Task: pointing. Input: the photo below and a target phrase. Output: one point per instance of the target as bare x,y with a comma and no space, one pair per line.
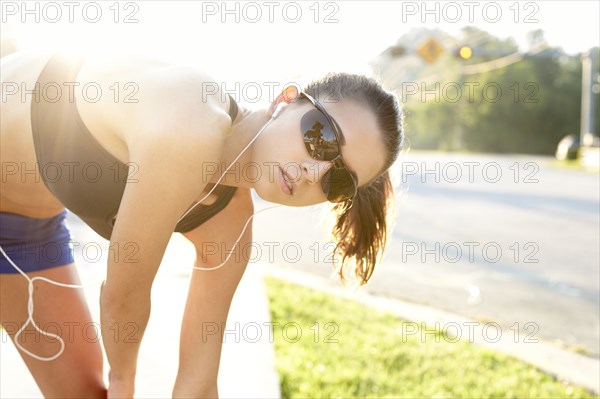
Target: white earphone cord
31,280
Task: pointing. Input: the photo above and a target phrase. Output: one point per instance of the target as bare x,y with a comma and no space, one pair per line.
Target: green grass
368,355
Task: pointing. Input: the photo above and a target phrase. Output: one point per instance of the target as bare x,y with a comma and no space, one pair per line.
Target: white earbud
279,108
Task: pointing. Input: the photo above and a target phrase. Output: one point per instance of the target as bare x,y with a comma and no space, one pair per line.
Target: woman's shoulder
154,77
23,67
150,95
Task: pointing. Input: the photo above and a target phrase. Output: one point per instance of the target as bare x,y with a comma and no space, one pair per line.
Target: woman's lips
283,183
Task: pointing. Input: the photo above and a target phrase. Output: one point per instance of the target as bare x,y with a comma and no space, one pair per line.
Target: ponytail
361,228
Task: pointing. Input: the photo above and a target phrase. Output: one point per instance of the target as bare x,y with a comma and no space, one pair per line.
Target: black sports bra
75,167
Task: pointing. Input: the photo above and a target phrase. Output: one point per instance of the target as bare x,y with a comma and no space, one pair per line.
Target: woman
150,159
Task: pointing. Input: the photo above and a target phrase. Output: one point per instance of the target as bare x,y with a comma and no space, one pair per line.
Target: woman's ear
289,95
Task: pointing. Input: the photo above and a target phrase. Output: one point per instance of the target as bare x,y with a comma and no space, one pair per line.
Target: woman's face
281,148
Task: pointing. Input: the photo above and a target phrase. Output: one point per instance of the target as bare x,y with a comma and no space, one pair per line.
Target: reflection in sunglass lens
319,138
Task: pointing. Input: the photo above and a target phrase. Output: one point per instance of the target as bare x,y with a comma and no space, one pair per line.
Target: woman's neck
246,127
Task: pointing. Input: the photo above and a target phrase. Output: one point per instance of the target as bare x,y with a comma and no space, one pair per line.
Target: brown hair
360,229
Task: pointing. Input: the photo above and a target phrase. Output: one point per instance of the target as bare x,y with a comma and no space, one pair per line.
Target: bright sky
327,35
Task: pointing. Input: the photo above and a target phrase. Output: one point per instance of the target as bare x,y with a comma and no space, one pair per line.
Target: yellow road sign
430,50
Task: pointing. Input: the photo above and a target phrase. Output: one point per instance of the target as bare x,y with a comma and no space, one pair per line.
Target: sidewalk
247,368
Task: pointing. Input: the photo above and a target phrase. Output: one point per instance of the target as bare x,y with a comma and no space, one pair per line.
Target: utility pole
589,64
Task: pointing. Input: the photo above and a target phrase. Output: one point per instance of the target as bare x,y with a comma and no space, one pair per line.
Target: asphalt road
505,239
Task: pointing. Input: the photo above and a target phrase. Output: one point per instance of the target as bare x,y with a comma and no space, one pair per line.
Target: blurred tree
526,107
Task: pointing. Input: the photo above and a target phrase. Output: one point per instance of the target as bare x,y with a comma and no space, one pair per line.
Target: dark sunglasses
323,142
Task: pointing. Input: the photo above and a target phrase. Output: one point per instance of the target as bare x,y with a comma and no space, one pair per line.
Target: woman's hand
120,388
122,326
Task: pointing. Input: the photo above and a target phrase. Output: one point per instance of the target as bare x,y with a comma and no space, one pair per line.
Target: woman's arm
168,178
210,295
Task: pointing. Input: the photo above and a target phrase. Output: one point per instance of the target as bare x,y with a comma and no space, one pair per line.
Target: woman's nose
313,171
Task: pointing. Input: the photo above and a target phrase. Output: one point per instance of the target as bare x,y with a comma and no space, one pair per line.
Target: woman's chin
276,196
269,195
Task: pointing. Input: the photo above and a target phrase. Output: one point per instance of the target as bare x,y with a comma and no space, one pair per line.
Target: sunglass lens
338,184
319,138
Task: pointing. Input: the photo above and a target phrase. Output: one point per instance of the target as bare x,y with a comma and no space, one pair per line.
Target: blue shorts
34,244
